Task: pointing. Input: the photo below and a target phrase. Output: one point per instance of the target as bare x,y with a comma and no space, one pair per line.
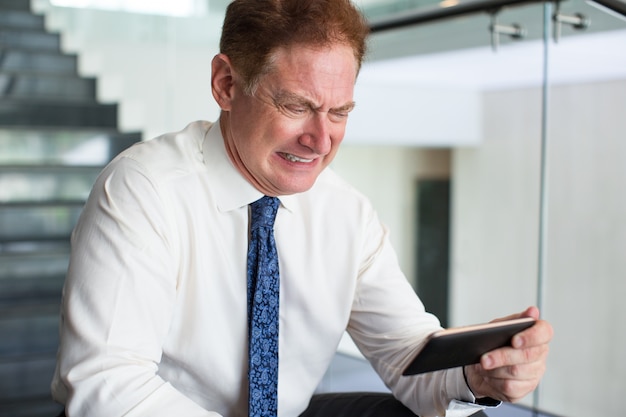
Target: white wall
157,68
388,175
495,211
496,189
392,112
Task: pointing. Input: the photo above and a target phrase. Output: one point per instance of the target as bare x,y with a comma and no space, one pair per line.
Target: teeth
294,158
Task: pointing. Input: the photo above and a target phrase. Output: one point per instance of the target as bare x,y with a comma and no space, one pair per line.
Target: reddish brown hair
254,29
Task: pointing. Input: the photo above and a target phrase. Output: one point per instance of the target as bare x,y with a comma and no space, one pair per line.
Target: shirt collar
232,190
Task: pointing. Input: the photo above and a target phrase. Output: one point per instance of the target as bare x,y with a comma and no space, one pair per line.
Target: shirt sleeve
388,324
118,301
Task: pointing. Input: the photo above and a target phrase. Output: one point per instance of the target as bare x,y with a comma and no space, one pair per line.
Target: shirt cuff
486,401
458,408
456,386
465,403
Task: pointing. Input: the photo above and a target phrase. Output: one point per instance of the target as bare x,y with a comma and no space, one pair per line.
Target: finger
507,356
527,371
539,334
529,312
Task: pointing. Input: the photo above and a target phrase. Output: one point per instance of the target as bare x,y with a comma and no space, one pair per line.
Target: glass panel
443,86
586,233
451,76
496,187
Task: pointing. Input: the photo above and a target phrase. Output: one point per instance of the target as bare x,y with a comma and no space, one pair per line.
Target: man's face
283,136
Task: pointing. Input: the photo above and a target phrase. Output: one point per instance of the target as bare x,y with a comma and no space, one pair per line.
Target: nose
317,133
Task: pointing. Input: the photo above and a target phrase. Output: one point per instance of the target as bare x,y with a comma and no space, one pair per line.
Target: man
156,318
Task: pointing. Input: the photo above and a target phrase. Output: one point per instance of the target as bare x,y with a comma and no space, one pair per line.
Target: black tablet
461,346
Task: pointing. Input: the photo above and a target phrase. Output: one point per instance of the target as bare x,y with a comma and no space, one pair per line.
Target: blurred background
489,134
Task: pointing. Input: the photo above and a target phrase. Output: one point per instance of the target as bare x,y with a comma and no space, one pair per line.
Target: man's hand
510,373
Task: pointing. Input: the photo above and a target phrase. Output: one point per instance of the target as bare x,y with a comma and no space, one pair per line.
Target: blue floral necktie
263,301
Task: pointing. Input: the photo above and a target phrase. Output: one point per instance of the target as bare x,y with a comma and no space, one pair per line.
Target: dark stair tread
23,5
19,289
29,39
10,241
27,61
26,377
30,406
46,87
21,19
71,130
37,261
43,76
37,315
18,112
36,248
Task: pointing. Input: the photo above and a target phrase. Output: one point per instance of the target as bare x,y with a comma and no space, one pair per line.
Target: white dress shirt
154,309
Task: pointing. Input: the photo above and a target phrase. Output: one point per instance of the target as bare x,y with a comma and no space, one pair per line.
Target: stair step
41,183
40,262
31,331
36,406
54,140
37,276
26,377
23,5
46,87
21,19
51,62
62,147
15,113
33,248
23,291
29,39
37,223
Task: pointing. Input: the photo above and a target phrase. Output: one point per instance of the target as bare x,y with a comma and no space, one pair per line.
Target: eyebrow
284,96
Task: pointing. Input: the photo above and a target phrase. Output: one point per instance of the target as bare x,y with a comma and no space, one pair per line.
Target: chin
296,188
294,185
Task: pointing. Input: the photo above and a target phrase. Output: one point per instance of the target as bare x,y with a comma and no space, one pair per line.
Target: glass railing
537,206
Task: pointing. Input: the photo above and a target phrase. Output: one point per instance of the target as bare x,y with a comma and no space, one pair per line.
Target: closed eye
295,110
295,106
341,113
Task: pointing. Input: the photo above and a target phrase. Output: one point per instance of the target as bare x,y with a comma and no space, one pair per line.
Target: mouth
293,158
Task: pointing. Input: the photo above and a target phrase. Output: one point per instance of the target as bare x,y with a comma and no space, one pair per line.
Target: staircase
54,140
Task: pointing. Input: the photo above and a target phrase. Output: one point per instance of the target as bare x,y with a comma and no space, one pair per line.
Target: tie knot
263,212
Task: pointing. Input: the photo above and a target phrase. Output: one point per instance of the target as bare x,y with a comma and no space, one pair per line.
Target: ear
222,81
